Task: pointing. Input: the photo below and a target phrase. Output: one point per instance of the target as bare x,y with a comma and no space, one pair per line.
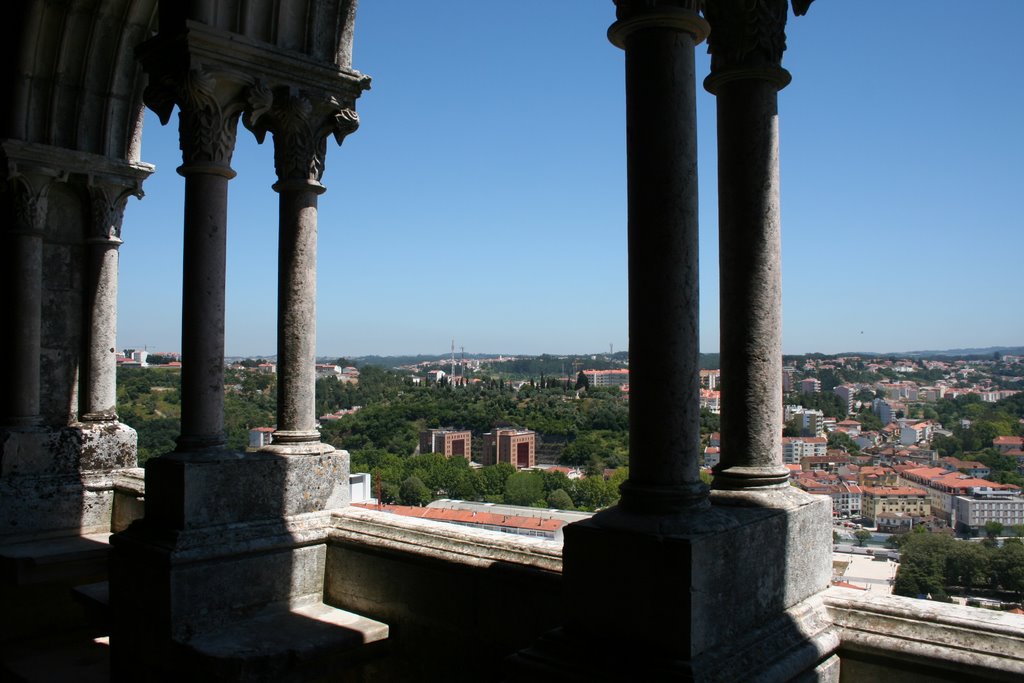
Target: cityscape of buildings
892,478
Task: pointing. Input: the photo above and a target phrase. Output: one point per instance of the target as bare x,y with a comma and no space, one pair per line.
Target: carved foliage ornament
300,126
29,203
108,204
748,33
206,128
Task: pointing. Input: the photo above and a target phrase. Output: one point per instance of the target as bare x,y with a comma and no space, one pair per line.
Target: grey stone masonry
59,438
223,576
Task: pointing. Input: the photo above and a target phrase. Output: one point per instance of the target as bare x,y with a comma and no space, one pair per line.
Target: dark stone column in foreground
664,351
24,283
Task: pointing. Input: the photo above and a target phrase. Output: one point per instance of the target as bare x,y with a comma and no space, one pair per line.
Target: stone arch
77,85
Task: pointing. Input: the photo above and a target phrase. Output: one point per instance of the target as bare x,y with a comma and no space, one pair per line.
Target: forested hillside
590,429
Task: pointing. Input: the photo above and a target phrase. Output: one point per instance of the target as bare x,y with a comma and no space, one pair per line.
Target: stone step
286,646
95,598
54,560
36,580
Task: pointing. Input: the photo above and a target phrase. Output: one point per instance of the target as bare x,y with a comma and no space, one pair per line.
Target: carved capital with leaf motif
300,123
635,15
208,109
748,38
28,193
107,202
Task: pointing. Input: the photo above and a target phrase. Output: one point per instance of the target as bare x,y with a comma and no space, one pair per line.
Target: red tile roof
469,517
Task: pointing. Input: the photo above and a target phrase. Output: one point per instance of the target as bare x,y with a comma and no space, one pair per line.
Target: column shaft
202,307
100,382
26,262
300,122
750,258
296,320
664,351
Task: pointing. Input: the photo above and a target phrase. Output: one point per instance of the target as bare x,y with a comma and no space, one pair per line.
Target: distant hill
396,361
987,351
984,351
707,360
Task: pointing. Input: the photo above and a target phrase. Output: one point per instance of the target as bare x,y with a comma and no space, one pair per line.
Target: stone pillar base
228,538
197,490
726,593
59,481
79,448
169,588
302,447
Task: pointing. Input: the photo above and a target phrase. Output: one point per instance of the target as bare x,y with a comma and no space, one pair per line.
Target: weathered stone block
80,448
736,582
193,490
169,587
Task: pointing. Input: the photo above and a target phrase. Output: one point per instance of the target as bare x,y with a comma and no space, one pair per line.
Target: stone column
209,108
661,147
746,45
25,282
300,126
99,381
726,587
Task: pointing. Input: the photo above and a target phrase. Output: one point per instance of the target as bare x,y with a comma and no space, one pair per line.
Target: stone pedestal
227,538
198,490
56,482
731,592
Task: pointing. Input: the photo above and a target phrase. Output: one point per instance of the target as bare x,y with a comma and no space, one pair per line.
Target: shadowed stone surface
694,598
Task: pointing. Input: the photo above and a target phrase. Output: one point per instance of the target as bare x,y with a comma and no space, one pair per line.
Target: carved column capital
107,203
747,40
209,105
28,194
634,15
300,123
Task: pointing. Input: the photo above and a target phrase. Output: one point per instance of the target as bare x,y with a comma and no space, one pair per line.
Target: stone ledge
54,559
95,600
276,647
130,480
447,542
982,644
798,645
226,541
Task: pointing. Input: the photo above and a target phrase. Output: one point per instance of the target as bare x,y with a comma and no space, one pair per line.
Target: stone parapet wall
458,600
908,640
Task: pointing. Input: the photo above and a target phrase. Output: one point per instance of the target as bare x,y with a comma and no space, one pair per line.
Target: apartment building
607,378
795,448
880,500
514,446
449,442
971,513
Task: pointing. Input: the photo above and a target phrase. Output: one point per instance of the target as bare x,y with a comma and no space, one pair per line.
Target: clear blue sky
483,197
